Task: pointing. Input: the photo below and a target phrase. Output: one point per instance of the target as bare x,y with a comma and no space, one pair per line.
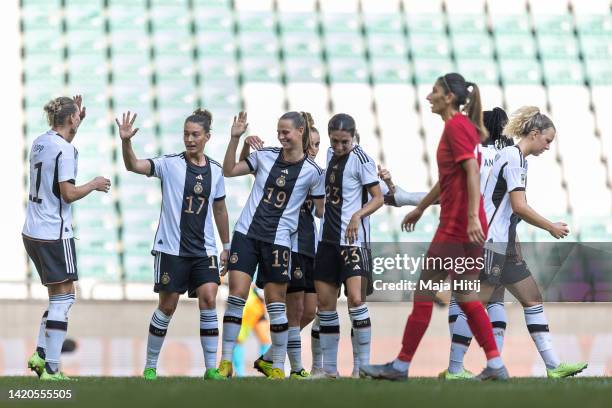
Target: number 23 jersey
52,161
272,210
188,192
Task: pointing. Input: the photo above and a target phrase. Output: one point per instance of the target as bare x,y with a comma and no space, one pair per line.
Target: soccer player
47,232
342,253
506,205
284,177
462,228
185,248
301,295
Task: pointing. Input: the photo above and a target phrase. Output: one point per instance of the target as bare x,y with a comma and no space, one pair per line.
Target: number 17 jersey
52,161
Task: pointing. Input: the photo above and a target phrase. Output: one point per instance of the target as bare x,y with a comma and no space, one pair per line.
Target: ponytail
473,110
524,120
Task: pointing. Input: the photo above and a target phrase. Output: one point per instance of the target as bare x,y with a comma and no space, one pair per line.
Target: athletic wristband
227,246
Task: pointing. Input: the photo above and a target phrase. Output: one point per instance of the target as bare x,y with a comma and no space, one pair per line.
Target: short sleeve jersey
188,193
508,174
272,211
52,161
347,179
459,142
488,154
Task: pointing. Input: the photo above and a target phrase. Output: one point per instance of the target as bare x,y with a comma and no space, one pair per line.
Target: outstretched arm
231,168
132,163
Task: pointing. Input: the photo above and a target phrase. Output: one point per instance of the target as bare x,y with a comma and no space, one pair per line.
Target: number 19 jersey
52,161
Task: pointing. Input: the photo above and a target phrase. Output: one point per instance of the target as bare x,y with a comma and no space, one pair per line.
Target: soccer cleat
383,372
322,375
355,373
263,366
566,370
493,374
462,375
276,374
36,364
59,376
300,375
226,369
150,374
213,374
316,371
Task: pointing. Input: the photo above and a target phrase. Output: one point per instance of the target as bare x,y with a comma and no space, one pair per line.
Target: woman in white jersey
185,247
342,254
284,178
506,205
47,232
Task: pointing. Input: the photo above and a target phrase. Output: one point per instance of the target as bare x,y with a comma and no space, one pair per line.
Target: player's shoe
566,370
316,371
263,366
276,374
213,374
226,369
383,372
59,376
462,375
149,374
320,374
355,373
493,374
37,364
300,375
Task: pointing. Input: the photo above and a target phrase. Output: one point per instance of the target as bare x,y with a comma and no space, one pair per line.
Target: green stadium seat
342,45
472,46
43,42
217,69
563,71
558,46
138,267
179,67
301,44
484,72
305,70
38,92
596,46
88,68
520,71
170,17
391,70
215,44
215,20
130,15
172,42
82,16
515,46
383,23
212,4
427,71
221,95
467,23
261,69
599,71
348,70
298,23
425,46
425,24
594,24
252,22
554,24
387,46
41,15
511,24
262,43
347,23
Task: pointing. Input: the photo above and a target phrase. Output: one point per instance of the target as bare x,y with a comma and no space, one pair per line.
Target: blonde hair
524,120
59,109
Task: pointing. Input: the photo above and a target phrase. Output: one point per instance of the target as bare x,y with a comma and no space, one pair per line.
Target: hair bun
203,112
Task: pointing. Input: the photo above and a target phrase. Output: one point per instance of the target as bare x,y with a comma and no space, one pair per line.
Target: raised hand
254,142
384,174
240,125
125,127
78,99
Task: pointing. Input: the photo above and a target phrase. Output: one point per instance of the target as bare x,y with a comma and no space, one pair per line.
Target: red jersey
460,141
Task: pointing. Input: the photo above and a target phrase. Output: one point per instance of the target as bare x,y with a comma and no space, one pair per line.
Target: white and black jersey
488,154
304,241
188,192
271,213
52,161
508,174
346,181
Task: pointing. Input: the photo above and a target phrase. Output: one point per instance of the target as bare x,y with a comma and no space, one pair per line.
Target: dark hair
202,118
301,119
470,100
342,121
59,109
495,120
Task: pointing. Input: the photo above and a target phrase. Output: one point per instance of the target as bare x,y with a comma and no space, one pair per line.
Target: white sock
315,345
294,348
401,365
232,321
279,332
209,336
497,315
460,342
538,329
355,345
41,342
495,362
55,329
157,333
453,312
330,336
360,317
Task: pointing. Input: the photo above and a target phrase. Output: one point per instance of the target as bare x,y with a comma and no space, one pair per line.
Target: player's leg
527,292
61,299
158,327
274,294
309,315
329,329
295,308
209,326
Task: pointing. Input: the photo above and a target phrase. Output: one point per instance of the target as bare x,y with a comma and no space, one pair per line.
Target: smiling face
194,137
540,141
341,142
289,136
315,141
439,101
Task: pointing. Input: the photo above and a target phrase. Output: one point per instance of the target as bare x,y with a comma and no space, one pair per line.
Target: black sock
41,352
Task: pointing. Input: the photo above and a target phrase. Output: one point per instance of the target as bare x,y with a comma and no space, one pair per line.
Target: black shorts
335,263
501,269
302,270
55,260
180,274
271,261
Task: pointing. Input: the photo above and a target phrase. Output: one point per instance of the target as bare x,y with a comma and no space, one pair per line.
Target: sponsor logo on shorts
165,279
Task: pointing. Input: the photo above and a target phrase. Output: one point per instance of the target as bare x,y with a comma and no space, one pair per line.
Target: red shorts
455,255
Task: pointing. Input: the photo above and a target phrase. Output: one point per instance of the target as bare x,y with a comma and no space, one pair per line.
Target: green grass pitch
176,392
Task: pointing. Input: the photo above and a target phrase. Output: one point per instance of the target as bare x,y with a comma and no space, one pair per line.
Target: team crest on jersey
165,279
234,258
297,274
198,188
281,181
495,271
332,177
